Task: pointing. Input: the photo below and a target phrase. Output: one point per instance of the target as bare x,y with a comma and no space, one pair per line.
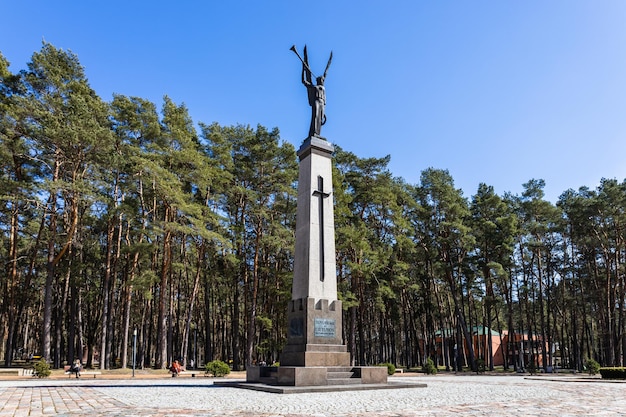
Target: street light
134,349
195,345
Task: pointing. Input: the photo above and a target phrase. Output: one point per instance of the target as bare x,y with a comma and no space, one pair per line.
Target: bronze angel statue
316,93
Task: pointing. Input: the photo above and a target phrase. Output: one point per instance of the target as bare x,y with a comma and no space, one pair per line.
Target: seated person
175,369
76,367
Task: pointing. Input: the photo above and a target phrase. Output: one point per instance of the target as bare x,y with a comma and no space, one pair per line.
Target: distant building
518,351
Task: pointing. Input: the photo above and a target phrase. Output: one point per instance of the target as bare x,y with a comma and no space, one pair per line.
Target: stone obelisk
314,317
315,353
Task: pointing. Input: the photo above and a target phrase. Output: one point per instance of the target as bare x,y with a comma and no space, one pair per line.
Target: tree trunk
104,355
128,305
192,302
161,348
46,335
10,300
253,301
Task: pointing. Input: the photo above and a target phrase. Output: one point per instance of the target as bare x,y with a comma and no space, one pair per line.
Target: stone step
269,380
344,381
340,369
339,375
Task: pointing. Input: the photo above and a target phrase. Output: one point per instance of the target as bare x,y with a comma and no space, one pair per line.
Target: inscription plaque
296,327
324,327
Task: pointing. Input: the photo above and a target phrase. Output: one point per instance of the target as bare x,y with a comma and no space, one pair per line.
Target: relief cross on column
322,195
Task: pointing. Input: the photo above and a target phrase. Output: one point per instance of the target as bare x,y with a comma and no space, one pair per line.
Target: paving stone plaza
445,395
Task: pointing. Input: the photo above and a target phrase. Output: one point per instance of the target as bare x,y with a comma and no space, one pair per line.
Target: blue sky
494,91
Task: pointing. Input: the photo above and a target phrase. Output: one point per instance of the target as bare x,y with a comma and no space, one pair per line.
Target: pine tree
493,227
446,229
70,128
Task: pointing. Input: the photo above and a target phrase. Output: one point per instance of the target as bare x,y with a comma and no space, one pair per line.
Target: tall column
314,261
315,316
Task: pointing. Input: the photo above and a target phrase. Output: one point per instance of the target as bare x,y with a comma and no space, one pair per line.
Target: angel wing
330,59
306,66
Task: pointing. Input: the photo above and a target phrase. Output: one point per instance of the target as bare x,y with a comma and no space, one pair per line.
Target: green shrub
613,373
217,368
480,366
592,366
429,367
42,368
391,368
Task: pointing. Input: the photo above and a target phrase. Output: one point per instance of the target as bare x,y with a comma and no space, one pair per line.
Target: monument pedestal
314,334
311,376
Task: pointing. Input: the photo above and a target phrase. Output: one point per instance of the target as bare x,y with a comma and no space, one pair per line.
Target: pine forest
128,220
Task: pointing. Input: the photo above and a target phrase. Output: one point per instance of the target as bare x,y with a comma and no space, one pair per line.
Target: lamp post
195,344
134,349
456,358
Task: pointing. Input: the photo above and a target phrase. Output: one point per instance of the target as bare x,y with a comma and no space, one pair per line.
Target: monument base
314,336
297,376
315,355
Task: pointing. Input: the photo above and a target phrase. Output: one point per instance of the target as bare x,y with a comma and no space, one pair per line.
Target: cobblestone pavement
445,395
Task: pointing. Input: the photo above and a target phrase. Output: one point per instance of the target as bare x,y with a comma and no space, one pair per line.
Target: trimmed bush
391,368
429,367
613,373
42,368
217,368
592,366
480,366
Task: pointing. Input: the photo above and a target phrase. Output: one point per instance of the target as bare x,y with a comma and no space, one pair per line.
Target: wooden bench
193,372
94,373
11,371
399,371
